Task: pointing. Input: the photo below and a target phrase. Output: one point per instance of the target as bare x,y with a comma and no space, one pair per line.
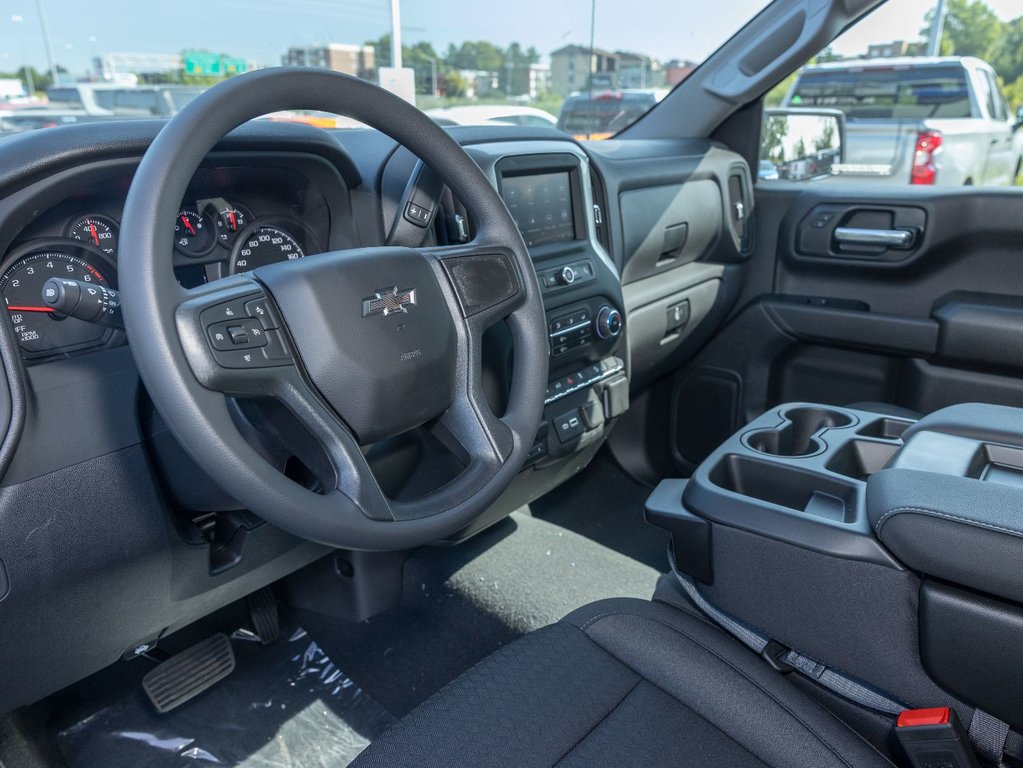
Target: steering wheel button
237,335
240,358
230,310
258,309
276,350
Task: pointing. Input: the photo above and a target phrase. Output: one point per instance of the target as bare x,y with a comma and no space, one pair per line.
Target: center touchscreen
541,205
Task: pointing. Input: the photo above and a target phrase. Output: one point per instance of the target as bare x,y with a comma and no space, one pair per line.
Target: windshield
897,92
587,67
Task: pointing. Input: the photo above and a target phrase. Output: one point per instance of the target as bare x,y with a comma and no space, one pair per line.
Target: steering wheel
359,345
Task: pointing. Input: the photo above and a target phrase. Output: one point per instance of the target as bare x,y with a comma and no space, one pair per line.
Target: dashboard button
569,426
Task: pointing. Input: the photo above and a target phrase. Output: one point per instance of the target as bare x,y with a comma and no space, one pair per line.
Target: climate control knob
608,322
566,276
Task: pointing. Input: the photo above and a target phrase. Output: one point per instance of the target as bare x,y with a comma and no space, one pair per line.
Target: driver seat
622,682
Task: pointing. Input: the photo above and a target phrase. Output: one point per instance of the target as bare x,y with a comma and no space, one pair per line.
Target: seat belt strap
989,735
837,682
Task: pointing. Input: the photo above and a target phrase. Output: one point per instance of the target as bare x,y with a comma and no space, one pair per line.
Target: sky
263,30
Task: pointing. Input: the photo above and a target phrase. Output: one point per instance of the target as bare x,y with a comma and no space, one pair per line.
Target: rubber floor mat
286,705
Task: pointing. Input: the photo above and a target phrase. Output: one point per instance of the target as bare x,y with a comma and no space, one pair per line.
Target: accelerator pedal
264,616
189,673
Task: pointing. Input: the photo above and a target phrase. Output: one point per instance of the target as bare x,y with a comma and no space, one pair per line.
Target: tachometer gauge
98,231
193,233
39,330
230,221
264,245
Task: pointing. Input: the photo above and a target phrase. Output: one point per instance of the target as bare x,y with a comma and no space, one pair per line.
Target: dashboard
631,246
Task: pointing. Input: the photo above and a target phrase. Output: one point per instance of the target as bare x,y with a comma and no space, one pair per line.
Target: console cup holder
797,436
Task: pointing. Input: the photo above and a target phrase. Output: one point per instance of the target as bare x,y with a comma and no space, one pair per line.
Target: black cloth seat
622,682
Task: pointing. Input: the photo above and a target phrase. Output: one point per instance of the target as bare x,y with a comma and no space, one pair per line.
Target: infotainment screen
541,205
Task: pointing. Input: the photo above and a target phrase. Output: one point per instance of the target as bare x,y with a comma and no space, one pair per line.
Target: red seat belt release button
935,738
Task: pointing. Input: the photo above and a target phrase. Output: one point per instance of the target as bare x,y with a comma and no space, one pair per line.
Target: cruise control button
244,334
237,335
260,310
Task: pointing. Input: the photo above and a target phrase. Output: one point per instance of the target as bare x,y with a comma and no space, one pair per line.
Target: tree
971,28
1006,54
476,55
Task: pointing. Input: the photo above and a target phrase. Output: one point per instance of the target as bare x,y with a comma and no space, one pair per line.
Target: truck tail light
924,170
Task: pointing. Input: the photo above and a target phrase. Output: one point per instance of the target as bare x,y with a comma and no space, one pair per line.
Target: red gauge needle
29,309
188,225
234,221
95,236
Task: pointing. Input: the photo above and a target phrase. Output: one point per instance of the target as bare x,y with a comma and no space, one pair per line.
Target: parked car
506,114
111,99
922,120
604,113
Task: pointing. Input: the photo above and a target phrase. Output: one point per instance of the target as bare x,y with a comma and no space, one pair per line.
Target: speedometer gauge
264,245
39,330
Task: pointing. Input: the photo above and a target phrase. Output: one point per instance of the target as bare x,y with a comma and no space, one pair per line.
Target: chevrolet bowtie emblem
389,301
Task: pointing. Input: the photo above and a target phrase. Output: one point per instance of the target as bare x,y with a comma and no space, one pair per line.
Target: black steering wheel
359,345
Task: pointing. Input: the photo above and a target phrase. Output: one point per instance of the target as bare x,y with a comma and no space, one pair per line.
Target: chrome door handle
885,238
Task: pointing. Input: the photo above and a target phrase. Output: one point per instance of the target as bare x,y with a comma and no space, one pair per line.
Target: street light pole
937,29
396,34
46,41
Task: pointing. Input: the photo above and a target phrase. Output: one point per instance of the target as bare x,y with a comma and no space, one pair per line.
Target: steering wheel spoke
487,285
237,345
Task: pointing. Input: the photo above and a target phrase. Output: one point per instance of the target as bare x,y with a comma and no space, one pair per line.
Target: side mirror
801,144
1019,118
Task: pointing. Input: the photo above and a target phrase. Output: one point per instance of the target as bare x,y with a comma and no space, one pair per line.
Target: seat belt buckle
935,738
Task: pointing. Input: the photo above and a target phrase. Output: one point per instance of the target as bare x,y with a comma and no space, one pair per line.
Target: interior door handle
885,238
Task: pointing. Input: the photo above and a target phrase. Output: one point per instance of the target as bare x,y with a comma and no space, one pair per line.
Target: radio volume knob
566,276
608,322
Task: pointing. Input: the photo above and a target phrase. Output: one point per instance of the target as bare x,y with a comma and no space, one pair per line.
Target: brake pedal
189,673
264,616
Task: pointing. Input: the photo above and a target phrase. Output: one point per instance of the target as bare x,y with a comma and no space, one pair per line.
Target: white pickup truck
922,120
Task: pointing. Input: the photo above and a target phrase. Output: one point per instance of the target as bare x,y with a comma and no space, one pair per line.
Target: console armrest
960,529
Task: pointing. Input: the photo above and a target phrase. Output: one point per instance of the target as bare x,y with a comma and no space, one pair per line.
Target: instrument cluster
212,238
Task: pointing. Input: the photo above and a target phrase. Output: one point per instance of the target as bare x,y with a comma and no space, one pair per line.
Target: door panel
922,322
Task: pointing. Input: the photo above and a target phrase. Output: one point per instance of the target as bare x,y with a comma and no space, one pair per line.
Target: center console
548,188
550,197
885,548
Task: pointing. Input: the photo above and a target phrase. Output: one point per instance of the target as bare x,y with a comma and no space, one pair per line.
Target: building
894,49
539,80
677,70
573,65
480,83
636,70
356,60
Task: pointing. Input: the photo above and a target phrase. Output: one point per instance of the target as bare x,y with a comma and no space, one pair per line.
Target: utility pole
46,41
29,82
396,34
937,28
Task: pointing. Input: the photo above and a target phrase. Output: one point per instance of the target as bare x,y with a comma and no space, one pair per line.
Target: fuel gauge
230,221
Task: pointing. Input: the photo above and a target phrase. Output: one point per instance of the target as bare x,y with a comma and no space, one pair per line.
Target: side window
998,110
872,110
